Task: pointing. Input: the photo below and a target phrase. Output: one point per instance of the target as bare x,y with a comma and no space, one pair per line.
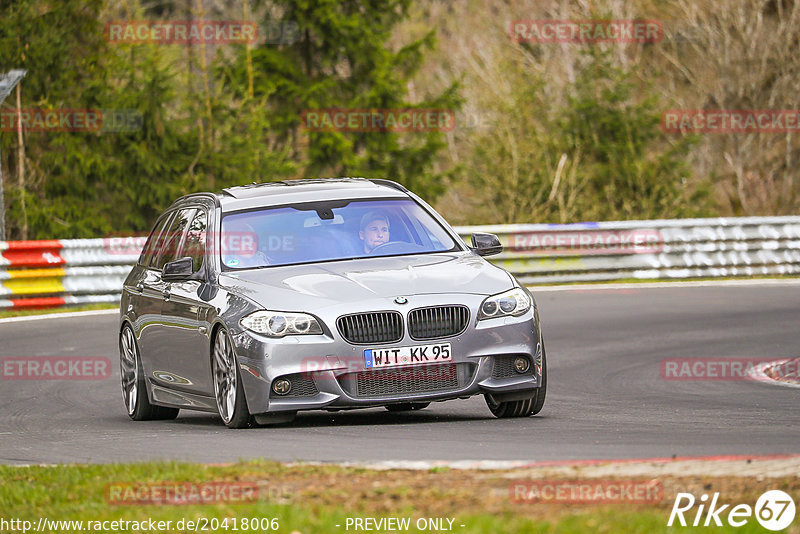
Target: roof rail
206,194
231,191
302,181
389,183
251,185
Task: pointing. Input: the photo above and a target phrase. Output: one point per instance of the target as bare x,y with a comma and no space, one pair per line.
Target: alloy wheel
224,377
129,369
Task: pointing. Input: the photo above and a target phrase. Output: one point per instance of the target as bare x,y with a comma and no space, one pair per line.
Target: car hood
302,286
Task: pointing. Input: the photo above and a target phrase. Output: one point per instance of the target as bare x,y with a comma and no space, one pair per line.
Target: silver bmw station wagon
322,294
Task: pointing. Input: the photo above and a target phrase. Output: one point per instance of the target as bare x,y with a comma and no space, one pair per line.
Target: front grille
373,327
302,386
504,367
408,381
437,321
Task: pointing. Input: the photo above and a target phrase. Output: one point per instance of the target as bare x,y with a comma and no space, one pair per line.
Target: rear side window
194,246
153,244
172,238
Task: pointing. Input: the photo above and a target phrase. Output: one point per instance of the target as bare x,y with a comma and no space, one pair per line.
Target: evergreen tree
85,182
341,59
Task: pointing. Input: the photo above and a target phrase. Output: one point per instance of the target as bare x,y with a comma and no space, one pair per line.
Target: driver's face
374,234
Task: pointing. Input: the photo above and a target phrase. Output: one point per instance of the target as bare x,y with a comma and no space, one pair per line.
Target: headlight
279,324
514,303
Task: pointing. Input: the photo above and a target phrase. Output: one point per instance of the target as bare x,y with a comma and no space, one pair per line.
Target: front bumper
327,372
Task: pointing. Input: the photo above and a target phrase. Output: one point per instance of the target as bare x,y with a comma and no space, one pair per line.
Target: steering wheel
396,247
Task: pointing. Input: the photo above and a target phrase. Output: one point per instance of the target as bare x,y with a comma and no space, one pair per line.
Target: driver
374,230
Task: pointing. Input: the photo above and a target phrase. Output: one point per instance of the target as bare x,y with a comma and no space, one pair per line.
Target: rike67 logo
774,510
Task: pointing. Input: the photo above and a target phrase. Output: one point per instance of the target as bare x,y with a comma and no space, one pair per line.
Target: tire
134,387
228,388
541,393
407,406
524,407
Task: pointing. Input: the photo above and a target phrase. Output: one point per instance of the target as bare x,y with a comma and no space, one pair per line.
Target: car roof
302,190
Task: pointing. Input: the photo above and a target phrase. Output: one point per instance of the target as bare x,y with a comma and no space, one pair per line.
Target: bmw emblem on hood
400,300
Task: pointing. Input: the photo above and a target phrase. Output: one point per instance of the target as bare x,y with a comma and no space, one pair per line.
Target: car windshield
326,231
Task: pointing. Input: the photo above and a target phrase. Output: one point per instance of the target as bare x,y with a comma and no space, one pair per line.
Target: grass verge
310,499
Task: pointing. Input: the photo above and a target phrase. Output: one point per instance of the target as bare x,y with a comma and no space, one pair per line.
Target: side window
153,244
172,238
195,244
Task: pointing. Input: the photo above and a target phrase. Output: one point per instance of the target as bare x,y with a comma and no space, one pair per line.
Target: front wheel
523,407
134,389
228,388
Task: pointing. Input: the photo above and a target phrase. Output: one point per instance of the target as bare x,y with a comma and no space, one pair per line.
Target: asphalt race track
606,398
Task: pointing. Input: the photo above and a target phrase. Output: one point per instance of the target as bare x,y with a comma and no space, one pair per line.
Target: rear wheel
134,389
523,407
407,406
228,388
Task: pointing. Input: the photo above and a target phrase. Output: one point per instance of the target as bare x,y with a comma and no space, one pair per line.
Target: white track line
659,285
67,315
777,465
720,465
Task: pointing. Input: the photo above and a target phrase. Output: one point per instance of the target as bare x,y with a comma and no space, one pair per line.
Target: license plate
418,355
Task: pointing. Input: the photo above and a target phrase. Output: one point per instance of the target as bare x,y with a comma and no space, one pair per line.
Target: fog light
522,365
281,386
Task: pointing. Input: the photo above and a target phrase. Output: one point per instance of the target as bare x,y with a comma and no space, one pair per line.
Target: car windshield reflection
329,231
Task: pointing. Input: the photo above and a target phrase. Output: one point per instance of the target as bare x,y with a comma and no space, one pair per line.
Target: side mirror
177,270
486,244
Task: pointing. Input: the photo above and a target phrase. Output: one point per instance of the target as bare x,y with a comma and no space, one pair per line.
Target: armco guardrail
53,273
671,249
65,272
